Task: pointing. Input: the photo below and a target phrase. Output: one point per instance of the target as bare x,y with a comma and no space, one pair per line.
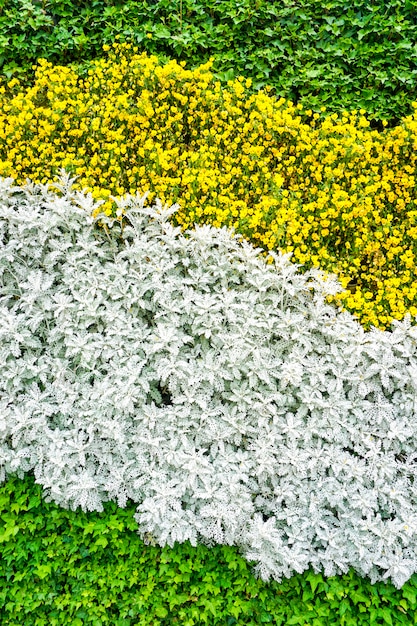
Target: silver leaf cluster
218,392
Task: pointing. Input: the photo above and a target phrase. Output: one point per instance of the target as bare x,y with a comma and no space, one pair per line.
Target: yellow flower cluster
332,190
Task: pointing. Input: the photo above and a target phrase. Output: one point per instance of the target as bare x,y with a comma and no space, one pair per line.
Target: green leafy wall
60,568
335,53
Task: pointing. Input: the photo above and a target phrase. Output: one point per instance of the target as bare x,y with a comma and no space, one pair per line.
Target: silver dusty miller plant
218,392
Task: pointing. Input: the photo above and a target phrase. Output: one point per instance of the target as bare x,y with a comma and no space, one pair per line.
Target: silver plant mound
218,392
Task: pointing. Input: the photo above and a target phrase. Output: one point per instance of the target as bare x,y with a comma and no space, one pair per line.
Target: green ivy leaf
101,541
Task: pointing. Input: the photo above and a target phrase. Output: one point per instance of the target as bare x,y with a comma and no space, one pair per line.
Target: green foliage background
60,567
334,53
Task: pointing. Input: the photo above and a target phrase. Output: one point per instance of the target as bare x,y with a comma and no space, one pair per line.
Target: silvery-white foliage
218,392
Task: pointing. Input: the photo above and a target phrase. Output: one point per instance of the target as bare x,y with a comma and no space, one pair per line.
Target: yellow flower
335,192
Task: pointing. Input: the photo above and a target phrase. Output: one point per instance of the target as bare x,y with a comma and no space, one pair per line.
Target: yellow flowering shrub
332,190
